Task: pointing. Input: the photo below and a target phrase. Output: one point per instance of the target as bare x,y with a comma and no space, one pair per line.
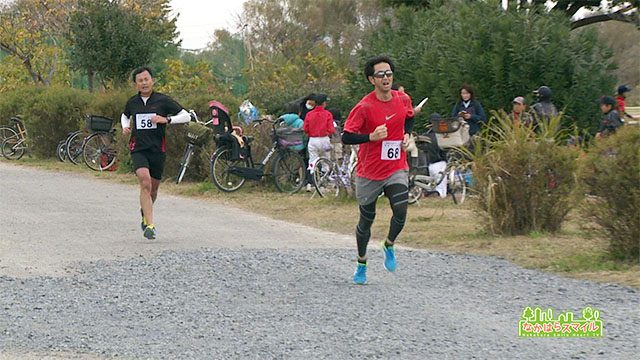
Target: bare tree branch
619,15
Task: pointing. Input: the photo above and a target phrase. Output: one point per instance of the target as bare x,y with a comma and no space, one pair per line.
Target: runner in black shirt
145,117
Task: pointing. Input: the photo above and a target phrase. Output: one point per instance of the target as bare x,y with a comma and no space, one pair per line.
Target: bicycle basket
287,136
451,132
198,134
99,123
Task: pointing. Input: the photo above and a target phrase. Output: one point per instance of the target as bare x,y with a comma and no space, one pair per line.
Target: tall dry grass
525,176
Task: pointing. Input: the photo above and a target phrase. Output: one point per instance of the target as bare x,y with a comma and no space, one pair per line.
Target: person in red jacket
621,101
318,125
379,123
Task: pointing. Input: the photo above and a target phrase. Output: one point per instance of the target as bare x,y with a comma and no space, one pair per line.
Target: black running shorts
154,161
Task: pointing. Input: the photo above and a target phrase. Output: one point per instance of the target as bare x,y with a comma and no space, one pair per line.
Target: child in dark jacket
611,121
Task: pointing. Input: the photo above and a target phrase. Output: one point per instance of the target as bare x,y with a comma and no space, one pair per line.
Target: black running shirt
146,135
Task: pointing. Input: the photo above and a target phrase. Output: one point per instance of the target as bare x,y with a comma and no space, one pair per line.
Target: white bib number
390,150
143,122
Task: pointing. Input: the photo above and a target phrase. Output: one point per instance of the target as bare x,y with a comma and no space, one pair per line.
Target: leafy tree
295,47
227,57
292,27
110,39
31,31
503,54
296,77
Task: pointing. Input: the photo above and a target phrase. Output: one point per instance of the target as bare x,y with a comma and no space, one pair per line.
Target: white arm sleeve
180,118
124,121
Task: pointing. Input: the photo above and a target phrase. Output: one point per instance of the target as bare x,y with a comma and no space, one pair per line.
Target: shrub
16,102
524,178
49,113
609,175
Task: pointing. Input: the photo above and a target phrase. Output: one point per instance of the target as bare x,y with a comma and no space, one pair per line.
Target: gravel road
78,281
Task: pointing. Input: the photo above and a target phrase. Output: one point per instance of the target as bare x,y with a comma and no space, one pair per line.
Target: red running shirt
377,160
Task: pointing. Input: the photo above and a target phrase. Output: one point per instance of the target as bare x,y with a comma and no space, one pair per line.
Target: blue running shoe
389,256
360,276
150,232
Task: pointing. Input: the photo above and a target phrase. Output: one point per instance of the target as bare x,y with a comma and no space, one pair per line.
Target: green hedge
49,113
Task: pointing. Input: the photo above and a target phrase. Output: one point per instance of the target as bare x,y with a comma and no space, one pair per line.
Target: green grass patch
588,262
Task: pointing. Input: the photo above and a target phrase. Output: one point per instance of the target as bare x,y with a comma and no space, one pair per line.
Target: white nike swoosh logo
387,118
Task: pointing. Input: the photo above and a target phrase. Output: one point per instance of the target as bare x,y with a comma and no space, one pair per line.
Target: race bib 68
390,150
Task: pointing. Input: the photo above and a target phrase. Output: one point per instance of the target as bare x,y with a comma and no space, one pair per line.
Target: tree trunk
90,75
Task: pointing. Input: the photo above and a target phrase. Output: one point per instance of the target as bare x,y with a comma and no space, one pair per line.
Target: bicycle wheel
13,148
221,161
324,178
415,192
457,185
61,151
74,147
288,172
98,151
7,132
186,157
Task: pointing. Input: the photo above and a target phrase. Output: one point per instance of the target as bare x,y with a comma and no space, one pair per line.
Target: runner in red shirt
378,124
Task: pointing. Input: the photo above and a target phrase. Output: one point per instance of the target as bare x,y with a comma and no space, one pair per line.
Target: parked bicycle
232,164
99,148
7,131
421,181
198,135
15,142
74,147
62,151
333,178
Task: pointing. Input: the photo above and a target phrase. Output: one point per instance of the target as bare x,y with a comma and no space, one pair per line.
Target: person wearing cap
543,110
621,100
318,125
611,120
519,114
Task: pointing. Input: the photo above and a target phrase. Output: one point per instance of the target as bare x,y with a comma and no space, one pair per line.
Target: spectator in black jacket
470,109
543,110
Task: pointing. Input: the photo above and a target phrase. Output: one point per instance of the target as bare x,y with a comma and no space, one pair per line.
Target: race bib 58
143,122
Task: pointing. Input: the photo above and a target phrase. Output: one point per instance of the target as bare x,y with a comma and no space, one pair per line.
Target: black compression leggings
398,195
